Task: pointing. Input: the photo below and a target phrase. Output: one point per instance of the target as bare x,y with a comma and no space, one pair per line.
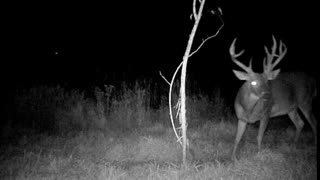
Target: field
64,134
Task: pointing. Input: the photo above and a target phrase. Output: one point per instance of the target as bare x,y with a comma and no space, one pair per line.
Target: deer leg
262,128
241,128
295,118
307,112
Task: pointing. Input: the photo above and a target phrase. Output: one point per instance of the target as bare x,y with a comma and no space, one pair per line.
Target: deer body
270,94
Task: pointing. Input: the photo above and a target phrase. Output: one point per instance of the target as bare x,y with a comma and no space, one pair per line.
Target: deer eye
254,83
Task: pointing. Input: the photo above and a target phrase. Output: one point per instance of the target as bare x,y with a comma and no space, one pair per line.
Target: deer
271,93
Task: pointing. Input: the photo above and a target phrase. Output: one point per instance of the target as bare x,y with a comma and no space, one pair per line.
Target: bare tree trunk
183,119
181,104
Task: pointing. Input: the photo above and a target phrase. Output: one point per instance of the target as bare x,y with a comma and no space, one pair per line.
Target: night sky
82,43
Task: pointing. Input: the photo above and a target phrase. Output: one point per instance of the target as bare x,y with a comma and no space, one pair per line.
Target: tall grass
130,105
121,132
37,107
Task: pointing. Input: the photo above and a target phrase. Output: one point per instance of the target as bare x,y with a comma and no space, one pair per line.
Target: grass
118,134
152,153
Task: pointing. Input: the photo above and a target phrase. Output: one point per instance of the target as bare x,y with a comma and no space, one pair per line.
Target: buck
271,93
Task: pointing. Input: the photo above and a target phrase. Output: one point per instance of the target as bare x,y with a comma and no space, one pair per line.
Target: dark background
86,43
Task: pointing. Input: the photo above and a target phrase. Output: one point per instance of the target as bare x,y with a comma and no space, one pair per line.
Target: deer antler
268,65
234,56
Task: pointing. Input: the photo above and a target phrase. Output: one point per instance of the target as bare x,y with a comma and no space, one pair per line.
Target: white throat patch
252,96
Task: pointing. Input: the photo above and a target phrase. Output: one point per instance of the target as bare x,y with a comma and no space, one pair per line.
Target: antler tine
265,65
274,46
250,64
235,55
282,52
268,65
267,61
232,51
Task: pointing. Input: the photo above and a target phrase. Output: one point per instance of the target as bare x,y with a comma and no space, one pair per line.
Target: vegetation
123,132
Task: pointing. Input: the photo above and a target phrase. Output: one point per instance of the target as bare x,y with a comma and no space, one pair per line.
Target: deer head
257,83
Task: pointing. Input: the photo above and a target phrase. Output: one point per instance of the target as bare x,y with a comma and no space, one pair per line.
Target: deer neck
248,98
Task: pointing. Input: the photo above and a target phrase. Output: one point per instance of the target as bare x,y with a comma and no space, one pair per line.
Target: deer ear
273,74
241,75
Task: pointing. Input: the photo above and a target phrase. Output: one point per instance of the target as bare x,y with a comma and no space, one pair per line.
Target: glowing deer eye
253,83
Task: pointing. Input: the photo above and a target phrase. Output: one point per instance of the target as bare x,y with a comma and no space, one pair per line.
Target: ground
152,152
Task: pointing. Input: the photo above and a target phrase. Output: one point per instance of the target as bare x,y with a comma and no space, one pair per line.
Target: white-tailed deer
271,93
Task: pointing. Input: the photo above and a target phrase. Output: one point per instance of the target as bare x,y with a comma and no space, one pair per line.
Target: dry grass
117,134
152,153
